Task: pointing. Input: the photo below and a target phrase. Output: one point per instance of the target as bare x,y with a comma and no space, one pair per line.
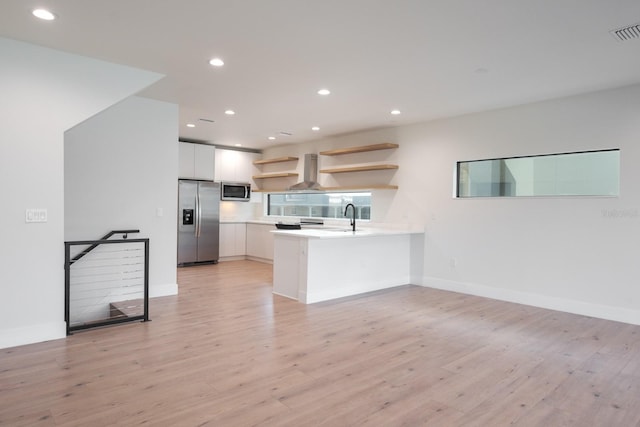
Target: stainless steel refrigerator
198,221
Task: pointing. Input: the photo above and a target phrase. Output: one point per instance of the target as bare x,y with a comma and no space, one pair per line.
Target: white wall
44,92
573,254
121,168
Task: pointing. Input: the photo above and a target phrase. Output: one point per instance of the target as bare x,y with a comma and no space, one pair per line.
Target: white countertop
339,233
248,221
332,230
261,221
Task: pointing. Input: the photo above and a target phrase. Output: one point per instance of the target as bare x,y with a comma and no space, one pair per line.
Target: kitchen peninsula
313,265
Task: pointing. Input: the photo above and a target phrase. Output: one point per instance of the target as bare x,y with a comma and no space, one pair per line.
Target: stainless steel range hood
310,174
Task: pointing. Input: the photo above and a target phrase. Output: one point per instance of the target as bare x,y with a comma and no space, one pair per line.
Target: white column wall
121,172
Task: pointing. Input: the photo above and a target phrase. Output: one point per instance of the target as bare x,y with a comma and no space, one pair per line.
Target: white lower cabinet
233,239
260,241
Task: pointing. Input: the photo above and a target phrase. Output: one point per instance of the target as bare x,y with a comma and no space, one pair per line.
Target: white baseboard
263,260
32,334
600,311
331,294
163,290
232,258
56,330
284,296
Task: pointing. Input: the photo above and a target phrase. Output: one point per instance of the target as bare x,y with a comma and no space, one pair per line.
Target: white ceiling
428,58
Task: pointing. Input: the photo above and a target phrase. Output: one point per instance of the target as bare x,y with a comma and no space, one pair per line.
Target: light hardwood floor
225,352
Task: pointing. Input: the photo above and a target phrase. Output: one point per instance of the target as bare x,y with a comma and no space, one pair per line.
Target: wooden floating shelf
363,187
269,190
346,188
275,175
359,168
360,149
276,160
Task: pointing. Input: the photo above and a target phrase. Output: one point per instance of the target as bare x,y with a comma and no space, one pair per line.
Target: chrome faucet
353,217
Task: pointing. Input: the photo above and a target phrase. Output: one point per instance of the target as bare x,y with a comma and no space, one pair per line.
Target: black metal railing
107,282
125,234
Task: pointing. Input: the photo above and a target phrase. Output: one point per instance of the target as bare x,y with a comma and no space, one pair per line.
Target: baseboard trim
284,296
322,296
232,258
258,259
618,314
32,334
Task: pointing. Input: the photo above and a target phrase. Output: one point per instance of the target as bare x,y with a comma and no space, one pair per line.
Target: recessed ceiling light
43,14
190,125
271,138
315,128
395,112
216,62
229,112
324,92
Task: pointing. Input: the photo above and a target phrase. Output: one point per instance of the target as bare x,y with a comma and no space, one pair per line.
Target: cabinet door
241,239
245,169
204,161
253,235
225,165
235,166
260,241
185,155
232,239
227,240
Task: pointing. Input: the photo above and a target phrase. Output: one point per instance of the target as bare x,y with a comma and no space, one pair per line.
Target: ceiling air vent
626,33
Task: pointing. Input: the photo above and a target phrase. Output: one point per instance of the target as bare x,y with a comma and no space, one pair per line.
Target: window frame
457,186
359,209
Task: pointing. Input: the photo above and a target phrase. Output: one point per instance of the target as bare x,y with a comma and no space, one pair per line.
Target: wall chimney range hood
310,174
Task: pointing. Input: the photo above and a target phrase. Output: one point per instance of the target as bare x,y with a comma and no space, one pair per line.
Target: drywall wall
44,93
121,172
576,254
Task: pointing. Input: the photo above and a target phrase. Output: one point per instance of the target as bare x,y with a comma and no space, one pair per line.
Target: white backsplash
239,211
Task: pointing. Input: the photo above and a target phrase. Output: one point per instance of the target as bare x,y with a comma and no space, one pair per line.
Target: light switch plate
36,215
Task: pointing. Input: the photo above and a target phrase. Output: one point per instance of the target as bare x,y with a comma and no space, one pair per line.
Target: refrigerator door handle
198,214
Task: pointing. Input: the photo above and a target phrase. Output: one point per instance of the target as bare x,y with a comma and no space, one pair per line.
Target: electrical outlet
35,215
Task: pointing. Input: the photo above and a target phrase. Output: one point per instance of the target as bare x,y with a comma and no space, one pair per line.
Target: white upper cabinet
185,154
197,161
204,162
235,166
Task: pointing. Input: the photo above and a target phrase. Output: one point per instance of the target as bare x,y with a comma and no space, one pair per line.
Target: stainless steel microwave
235,191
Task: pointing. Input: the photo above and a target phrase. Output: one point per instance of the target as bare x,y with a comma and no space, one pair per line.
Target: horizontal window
318,204
588,173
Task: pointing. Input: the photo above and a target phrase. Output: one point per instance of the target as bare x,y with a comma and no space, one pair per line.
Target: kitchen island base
312,266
